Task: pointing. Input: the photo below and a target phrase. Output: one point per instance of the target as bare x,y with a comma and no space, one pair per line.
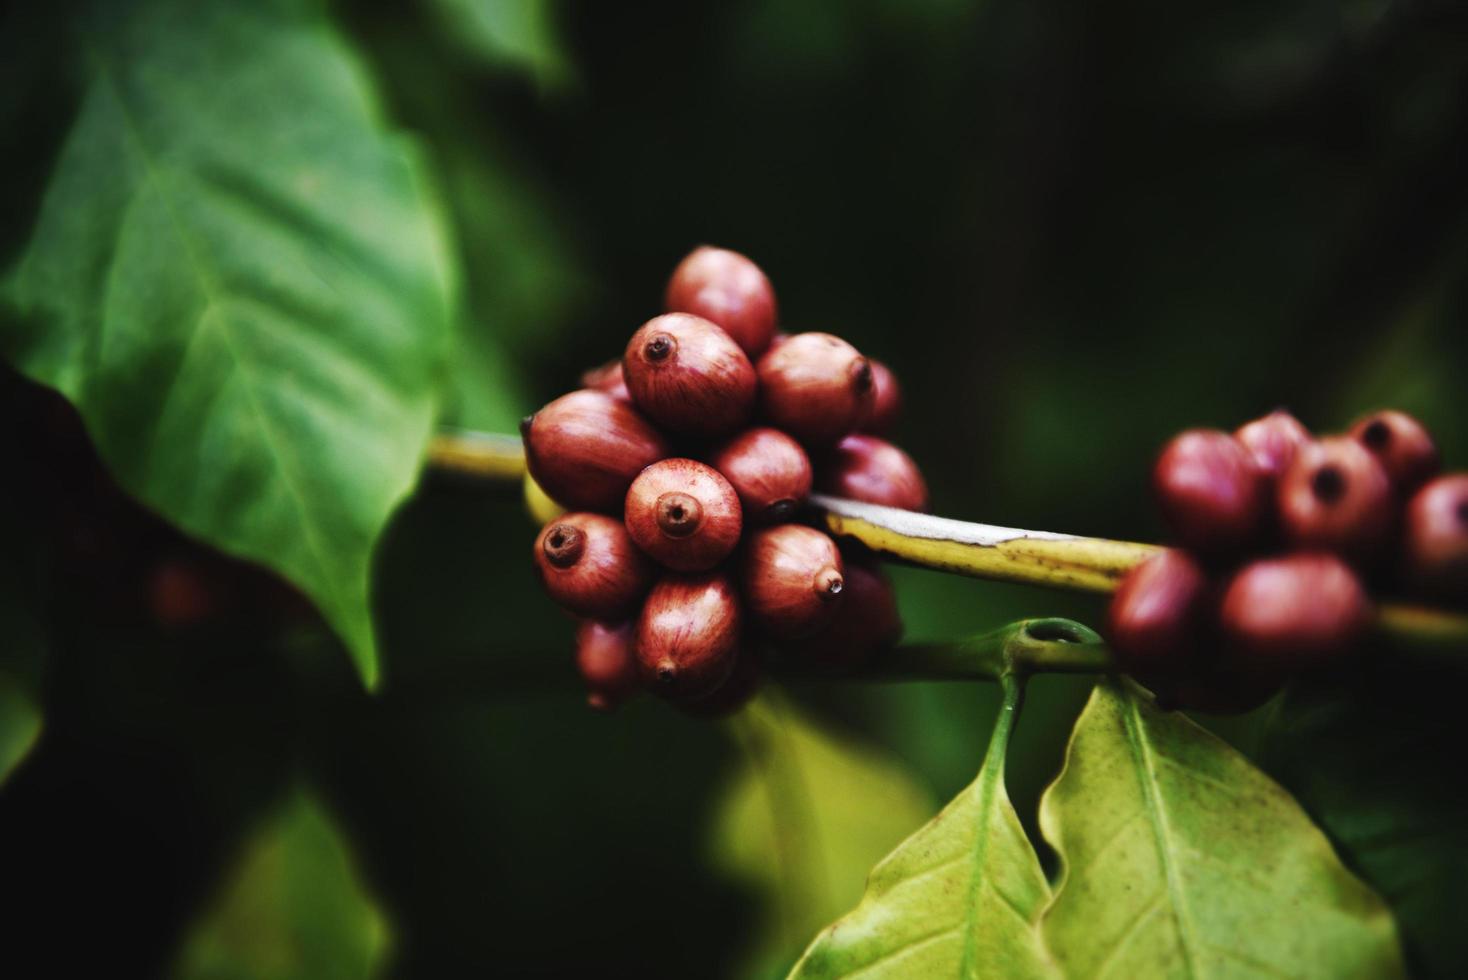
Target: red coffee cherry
1211,494
608,378
688,634
769,471
1402,445
725,288
1273,440
607,662
585,448
589,565
886,399
868,621
1335,496
733,694
816,387
1436,537
1280,616
873,470
792,578
1158,623
684,514
689,376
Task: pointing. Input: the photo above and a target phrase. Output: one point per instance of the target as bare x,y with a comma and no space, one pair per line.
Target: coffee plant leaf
239,276
515,34
1180,858
960,898
787,825
20,724
1368,757
293,907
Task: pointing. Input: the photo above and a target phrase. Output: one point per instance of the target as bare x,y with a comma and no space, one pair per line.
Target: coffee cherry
725,288
733,694
1405,450
792,577
184,594
1211,494
607,662
1158,621
688,634
608,378
886,399
1336,497
1436,537
585,448
769,471
816,387
1273,440
873,470
589,565
689,376
1280,616
684,514
868,621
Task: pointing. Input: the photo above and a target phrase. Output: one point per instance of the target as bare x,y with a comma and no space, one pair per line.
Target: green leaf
803,818
1179,858
1372,760
960,898
20,724
293,908
238,277
520,34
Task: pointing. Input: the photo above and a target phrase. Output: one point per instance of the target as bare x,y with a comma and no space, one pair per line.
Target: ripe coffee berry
816,387
1405,450
1273,441
684,514
725,288
1211,494
868,621
872,470
688,634
607,662
1335,496
589,565
689,376
1280,616
1436,537
886,399
792,578
769,471
585,448
733,694
607,378
1159,620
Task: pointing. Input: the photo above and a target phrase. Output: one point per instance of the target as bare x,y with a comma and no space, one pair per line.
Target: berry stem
1029,646
1060,561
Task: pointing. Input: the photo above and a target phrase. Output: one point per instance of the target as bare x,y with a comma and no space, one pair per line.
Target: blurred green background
1072,229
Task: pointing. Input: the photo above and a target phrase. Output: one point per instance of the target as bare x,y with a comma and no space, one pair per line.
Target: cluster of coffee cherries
684,465
1282,538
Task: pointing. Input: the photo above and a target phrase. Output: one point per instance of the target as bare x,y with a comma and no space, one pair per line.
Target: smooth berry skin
607,662
1273,440
588,565
608,378
688,635
689,376
732,695
1402,445
1211,494
1335,496
726,288
684,515
585,449
1158,620
770,472
886,400
1282,616
867,622
792,579
1435,538
816,387
874,471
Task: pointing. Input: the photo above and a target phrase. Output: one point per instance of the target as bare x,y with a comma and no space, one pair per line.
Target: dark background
1072,229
